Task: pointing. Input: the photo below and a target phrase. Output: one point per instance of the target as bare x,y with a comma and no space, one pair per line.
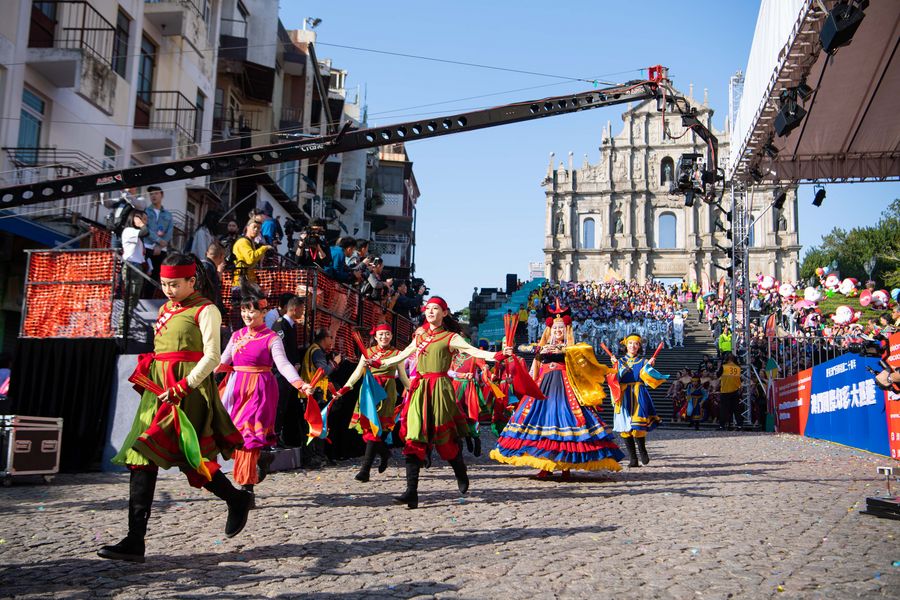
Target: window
587,234
667,231
666,171
120,44
391,180
110,155
198,117
146,67
31,124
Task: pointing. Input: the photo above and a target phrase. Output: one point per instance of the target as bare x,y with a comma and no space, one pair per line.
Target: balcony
30,165
291,119
178,17
165,121
235,129
71,45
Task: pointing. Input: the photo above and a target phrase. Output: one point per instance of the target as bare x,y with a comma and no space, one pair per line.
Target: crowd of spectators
605,312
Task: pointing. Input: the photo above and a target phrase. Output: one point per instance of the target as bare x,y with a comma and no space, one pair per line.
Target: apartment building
391,198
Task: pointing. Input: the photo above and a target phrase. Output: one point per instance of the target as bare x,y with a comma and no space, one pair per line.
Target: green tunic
177,330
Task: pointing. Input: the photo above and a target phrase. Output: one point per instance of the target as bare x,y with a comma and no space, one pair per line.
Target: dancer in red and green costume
186,349
432,418
467,375
380,349
634,413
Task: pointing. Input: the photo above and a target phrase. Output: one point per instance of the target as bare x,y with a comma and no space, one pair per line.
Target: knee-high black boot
411,495
476,451
459,469
239,502
632,452
385,453
642,450
366,467
140,498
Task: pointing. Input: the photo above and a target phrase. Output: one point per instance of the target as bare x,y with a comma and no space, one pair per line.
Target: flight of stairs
698,343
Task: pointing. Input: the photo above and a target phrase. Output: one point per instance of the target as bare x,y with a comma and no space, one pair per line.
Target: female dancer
564,430
250,391
634,414
696,401
185,353
380,348
467,374
431,417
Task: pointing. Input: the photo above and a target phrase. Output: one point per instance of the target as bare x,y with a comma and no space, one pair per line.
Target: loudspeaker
790,115
840,25
511,282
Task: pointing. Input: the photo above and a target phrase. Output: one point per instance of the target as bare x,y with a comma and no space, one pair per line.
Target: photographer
312,248
337,269
374,287
120,216
407,304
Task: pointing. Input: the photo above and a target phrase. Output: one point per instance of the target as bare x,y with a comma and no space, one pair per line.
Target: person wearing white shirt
134,259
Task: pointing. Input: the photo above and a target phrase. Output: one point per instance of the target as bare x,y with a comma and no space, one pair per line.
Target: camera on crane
689,179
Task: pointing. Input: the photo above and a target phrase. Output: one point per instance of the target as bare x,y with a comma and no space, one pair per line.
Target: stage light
779,196
804,91
820,196
756,174
770,150
790,115
840,24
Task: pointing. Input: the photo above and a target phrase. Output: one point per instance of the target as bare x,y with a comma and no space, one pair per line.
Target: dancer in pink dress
250,392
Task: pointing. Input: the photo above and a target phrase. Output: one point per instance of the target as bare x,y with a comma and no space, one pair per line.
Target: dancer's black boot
470,444
477,444
249,488
642,450
239,502
368,459
459,470
411,495
385,454
266,457
632,452
140,498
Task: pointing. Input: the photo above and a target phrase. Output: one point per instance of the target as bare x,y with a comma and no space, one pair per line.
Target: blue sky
481,214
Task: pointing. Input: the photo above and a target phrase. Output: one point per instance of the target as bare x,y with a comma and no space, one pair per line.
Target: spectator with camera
375,287
312,247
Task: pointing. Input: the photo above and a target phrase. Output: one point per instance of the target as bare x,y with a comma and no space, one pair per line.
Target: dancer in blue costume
696,401
634,413
564,430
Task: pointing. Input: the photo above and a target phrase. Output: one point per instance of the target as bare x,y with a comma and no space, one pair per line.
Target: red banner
892,401
792,402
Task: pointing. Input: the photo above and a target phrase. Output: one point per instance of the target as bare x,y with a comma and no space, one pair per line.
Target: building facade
617,218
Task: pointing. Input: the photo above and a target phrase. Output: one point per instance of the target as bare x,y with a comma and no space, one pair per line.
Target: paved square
714,515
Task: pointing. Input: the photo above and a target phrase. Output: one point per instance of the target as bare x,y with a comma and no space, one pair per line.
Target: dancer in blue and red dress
563,431
634,414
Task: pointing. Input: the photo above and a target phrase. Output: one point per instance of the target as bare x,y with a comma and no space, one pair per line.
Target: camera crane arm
656,86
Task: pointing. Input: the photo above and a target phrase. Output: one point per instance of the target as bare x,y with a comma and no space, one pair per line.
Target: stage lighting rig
840,24
790,115
820,196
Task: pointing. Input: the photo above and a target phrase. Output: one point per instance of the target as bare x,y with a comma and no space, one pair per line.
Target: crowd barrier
71,294
839,401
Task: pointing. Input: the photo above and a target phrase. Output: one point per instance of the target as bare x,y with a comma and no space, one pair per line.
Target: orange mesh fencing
101,238
68,294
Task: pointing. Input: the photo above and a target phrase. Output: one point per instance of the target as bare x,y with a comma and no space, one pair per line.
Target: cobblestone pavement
715,515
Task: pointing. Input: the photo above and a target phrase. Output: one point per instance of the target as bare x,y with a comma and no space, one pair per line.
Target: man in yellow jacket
729,393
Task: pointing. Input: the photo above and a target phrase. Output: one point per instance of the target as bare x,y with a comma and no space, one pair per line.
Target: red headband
380,327
437,300
178,271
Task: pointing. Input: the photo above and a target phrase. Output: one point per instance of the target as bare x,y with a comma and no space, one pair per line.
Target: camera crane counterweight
656,86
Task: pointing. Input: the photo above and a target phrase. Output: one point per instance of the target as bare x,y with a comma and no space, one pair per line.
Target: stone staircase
698,343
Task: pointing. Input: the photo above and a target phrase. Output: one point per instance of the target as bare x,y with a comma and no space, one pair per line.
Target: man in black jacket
289,418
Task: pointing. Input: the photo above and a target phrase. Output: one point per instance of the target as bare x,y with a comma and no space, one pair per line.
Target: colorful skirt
636,411
252,401
146,445
557,433
386,412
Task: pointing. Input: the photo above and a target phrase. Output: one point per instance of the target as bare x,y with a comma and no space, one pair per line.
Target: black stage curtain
72,379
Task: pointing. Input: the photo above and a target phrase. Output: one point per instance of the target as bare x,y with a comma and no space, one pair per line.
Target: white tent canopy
851,131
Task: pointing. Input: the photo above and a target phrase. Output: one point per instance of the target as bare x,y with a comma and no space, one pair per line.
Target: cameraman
406,304
312,249
120,216
375,288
